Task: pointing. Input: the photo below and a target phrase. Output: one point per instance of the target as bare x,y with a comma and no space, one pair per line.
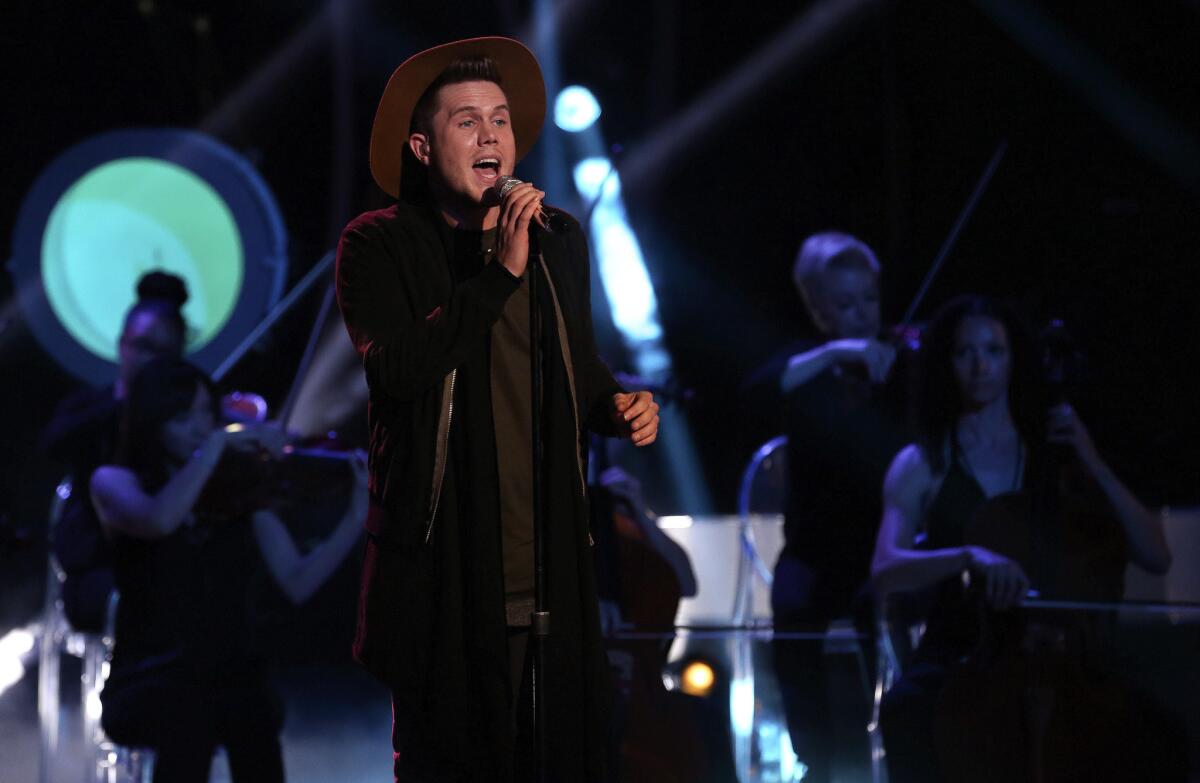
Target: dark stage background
881,130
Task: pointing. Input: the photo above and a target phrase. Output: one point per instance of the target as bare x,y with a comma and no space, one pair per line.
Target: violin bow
281,308
948,245
310,350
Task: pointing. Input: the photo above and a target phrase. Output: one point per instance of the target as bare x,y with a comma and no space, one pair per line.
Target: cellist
985,430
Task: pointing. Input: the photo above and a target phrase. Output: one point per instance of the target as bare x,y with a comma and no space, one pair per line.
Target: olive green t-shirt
512,417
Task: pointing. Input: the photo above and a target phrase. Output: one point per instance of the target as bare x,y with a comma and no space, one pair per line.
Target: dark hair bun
163,286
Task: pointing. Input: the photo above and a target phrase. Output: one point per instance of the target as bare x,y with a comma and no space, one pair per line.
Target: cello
648,575
1031,700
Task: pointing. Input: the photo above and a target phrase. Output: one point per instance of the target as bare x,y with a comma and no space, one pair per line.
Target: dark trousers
185,721
800,667
520,661
805,601
520,664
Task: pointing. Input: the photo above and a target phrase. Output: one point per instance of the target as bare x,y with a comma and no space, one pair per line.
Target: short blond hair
829,250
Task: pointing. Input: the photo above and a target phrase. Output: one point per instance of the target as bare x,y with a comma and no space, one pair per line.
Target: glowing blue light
741,705
653,361
790,767
619,256
593,173
631,300
576,109
623,272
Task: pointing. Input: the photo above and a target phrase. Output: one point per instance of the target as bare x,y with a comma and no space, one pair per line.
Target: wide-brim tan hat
521,80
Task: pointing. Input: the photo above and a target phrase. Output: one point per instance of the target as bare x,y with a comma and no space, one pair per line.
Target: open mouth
487,169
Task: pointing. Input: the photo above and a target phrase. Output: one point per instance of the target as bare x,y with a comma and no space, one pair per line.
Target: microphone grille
505,184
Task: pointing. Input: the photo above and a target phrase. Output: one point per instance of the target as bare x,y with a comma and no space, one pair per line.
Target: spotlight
697,679
591,174
15,647
576,109
126,202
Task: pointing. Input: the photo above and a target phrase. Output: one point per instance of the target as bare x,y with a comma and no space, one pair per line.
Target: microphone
552,220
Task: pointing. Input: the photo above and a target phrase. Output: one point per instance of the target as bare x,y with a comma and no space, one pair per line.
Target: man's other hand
636,416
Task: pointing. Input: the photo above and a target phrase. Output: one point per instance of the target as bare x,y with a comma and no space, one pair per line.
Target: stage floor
338,727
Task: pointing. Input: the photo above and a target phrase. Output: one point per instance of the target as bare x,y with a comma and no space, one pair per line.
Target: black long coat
431,620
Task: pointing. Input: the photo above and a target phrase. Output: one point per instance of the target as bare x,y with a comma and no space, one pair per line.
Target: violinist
842,431
83,434
986,433
185,676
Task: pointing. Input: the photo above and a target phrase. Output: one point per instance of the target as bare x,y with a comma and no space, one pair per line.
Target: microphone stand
540,625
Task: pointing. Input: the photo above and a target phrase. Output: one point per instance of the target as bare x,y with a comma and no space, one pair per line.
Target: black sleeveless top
952,618
957,499
1095,543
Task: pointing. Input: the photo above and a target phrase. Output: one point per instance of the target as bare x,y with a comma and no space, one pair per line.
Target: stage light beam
620,262
15,647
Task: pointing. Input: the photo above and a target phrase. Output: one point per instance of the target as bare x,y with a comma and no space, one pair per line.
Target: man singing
435,294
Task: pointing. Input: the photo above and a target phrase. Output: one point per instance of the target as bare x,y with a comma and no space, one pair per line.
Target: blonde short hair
829,250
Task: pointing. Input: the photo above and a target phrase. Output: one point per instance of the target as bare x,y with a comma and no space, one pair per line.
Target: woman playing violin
842,431
185,677
83,434
837,277
986,431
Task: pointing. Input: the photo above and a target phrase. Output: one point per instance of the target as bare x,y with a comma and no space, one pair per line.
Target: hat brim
521,80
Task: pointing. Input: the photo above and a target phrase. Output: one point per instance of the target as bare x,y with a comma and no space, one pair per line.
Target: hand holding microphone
548,220
520,203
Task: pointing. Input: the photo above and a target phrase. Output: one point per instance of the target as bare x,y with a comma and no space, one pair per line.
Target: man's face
469,143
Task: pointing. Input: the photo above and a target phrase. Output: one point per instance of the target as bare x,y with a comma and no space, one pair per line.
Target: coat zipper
439,470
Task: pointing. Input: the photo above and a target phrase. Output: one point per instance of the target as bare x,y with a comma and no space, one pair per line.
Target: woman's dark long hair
162,389
939,399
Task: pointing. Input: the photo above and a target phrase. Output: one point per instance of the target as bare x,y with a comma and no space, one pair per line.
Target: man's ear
418,144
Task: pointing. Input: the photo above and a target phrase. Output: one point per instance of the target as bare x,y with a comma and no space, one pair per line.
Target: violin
251,479
247,481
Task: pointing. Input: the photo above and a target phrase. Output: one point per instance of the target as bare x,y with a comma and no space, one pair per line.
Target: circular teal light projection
125,218
121,204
